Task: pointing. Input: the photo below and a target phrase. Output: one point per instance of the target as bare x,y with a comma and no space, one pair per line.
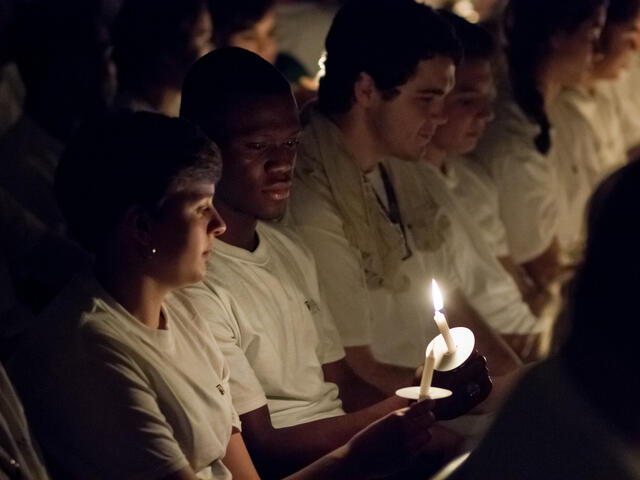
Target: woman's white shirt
110,397
527,181
588,146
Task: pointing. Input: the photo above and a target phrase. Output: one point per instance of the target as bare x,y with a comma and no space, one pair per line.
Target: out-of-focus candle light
440,319
427,373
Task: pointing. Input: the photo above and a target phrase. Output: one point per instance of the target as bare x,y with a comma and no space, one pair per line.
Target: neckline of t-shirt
260,256
163,338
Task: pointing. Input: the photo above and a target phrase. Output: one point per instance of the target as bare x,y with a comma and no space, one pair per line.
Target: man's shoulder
284,240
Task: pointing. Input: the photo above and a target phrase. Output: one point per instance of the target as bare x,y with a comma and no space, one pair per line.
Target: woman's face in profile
182,236
573,52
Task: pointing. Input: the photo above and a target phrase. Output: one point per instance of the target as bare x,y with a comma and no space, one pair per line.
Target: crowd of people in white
217,252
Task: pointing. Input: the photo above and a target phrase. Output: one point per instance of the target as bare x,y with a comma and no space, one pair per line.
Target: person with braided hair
549,46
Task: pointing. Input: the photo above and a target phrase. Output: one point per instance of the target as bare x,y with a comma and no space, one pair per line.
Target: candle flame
438,303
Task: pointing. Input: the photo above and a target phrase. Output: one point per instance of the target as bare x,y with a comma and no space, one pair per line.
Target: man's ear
138,223
365,90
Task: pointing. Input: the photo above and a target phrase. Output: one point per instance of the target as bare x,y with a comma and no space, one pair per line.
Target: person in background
155,43
628,103
290,383
563,421
550,46
477,250
11,86
121,377
588,123
304,44
62,53
19,455
381,96
251,24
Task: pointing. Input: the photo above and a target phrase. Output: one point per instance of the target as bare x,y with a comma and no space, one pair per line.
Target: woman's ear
138,224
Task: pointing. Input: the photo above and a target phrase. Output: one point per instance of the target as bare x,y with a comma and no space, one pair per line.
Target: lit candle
440,319
427,374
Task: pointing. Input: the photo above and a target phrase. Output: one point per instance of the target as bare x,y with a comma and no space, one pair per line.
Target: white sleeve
339,265
528,204
246,391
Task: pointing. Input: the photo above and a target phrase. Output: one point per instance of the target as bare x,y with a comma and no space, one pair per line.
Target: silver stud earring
150,253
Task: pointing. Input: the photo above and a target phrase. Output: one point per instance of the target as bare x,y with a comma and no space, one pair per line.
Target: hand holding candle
440,319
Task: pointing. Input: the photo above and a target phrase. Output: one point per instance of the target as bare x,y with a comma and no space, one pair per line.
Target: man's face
259,157
468,108
404,124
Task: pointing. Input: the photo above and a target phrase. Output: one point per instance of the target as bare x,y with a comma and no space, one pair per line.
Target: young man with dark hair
390,65
289,380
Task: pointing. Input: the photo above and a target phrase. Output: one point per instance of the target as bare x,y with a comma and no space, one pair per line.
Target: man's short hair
385,39
152,42
220,81
233,16
476,41
124,160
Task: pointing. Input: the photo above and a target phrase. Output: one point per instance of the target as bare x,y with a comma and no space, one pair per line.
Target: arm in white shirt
529,208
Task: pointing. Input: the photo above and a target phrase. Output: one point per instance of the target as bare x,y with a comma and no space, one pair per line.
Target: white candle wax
441,322
427,374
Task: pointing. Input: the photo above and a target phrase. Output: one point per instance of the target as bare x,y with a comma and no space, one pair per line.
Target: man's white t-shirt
268,316
526,180
397,325
109,397
476,192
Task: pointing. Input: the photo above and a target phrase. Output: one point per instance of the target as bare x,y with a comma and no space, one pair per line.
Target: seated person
19,456
304,44
374,276
467,195
469,109
155,43
251,24
576,415
549,47
289,380
121,377
589,122
62,53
